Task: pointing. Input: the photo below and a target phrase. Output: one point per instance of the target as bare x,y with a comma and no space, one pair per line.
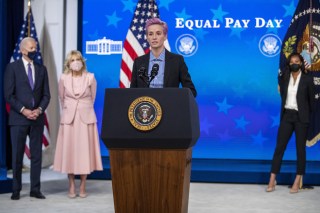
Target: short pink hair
153,21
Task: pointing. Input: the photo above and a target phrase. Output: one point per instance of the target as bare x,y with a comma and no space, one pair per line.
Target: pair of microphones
143,73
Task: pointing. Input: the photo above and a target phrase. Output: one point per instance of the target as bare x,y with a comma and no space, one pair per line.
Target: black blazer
18,93
175,72
305,95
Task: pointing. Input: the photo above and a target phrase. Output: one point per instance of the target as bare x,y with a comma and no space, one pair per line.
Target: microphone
143,74
154,72
142,71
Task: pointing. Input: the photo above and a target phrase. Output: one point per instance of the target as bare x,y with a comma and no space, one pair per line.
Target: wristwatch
40,109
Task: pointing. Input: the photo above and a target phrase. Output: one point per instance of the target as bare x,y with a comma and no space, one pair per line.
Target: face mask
76,65
295,67
32,55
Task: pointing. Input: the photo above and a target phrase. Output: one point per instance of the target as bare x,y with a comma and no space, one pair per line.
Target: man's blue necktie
30,80
30,76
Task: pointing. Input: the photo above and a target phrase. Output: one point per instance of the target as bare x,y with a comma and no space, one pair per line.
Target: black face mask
295,67
32,55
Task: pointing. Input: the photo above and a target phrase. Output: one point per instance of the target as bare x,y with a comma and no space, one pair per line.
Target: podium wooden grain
150,180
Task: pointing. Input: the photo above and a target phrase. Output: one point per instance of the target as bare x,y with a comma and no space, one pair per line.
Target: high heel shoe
72,195
271,189
297,182
293,191
83,195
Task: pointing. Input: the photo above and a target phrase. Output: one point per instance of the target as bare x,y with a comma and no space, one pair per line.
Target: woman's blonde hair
66,68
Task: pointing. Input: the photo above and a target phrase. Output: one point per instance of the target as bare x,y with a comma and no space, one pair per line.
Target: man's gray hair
25,40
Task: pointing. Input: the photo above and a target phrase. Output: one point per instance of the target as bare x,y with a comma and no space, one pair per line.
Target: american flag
304,30
38,59
136,43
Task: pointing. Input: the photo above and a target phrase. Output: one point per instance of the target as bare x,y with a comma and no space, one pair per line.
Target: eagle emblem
187,45
270,45
145,113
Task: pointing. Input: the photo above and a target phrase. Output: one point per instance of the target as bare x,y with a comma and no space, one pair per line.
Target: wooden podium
151,169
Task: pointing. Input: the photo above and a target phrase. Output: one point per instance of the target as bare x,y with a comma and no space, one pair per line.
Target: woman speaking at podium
160,68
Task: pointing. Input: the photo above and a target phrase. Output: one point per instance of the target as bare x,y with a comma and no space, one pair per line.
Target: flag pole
152,9
29,17
311,46
24,167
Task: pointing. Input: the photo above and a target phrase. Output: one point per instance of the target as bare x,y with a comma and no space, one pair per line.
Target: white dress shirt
291,102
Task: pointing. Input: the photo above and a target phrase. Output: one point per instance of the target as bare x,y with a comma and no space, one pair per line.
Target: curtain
11,18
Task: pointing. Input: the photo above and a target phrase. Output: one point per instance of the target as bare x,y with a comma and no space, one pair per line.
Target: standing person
297,102
26,90
77,149
172,68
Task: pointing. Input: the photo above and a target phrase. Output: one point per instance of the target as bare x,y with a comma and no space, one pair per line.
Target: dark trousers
18,140
290,123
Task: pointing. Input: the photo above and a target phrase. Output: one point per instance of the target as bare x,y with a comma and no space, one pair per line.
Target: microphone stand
144,75
152,76
154,73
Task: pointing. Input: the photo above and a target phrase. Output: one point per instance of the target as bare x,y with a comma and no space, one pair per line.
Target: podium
151,164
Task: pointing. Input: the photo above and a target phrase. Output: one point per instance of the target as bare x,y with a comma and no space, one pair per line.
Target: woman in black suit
297,97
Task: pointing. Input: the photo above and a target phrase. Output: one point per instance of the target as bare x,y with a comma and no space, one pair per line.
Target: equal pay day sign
228,23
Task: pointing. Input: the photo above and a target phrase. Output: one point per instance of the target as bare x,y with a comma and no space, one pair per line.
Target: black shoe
38,195
15,196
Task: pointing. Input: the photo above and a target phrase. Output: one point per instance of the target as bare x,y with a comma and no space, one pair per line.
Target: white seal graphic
270,45
186,45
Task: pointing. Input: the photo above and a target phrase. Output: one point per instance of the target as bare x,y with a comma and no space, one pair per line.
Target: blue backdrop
233,61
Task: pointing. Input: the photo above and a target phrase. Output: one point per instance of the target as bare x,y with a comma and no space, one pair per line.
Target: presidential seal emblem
270,45
309,47
186,45
145,113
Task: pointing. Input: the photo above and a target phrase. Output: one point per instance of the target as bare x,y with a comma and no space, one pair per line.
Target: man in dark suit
26,90
171,68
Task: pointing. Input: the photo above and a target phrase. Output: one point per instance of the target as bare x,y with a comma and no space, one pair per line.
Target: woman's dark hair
301,59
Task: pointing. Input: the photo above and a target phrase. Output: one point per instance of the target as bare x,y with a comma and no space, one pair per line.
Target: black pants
18,140
290,123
